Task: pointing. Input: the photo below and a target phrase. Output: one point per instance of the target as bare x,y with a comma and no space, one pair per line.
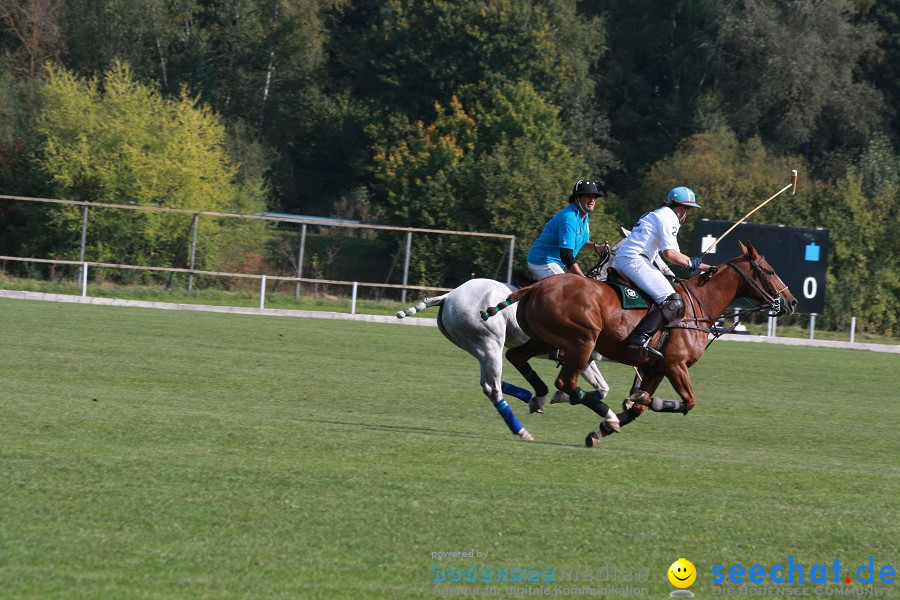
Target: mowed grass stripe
162,454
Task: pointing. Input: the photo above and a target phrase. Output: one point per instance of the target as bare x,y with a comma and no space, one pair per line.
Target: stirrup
644,350
558,356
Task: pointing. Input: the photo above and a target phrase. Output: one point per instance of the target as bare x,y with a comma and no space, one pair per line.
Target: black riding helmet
585,186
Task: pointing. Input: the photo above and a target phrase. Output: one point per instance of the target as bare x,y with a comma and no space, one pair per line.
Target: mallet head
793,182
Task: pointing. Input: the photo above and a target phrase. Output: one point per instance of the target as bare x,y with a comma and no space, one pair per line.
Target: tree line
475,115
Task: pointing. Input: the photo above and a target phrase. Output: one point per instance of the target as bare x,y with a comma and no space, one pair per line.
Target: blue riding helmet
684,196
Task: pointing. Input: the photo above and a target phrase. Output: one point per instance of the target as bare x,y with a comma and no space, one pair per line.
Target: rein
695,301
603,255
770,302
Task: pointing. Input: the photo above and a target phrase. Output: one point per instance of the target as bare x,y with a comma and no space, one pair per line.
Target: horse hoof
592,440
641,397
536,404
523,433
559,398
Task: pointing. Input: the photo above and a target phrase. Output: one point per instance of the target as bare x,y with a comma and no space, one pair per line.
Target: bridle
760,279
771,297
604,253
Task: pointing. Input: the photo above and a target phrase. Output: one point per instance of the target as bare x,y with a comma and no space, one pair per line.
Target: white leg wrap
592,375
613,421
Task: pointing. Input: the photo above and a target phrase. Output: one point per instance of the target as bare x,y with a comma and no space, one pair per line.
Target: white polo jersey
654,232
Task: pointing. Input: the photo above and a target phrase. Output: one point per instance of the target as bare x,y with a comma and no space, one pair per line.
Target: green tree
32,32
405,57
97,32
410,54
119,141
658,63
730,179
863,265
882,67
790,72
499,166
258,64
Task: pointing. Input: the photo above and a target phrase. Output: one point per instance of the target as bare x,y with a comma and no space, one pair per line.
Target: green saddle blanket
630,297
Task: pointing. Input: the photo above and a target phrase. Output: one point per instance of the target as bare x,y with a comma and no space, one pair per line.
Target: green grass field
165,454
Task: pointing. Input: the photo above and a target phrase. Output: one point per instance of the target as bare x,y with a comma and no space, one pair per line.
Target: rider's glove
694,263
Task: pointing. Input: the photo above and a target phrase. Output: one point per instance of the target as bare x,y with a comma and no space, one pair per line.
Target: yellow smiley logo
682,573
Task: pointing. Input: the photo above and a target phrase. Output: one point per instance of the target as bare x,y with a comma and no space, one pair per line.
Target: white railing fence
301,222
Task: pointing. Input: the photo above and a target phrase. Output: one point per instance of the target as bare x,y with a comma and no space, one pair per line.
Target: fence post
406,266
353,300
852,329
84,268
194,224
84,222
262,292
812,326
512,250
300,260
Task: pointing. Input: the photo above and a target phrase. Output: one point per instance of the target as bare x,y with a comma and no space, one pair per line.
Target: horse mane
704,278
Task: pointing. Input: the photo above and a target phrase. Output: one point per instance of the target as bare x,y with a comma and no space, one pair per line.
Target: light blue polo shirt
564,230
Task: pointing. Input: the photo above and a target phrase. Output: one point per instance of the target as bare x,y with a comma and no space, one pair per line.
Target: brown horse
579,315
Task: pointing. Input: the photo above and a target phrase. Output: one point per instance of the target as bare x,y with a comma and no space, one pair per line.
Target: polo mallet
792,186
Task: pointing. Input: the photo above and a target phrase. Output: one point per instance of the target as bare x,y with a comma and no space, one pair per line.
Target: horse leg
519,356
593,376
645,384
567,380
491,366
632,407
681,381
638,400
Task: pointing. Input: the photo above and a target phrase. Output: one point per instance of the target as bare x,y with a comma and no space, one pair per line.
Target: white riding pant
647,277
544,271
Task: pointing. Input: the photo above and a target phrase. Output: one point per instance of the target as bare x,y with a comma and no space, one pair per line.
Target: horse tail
510,300
426,303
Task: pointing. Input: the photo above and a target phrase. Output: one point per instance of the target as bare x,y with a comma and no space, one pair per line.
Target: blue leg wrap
506,412
512,390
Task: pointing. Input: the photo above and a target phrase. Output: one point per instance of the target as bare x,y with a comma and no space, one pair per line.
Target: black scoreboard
798,254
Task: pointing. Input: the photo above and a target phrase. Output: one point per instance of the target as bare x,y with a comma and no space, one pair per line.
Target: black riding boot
639,342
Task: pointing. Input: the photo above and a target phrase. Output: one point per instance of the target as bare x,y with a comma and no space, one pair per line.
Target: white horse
460,323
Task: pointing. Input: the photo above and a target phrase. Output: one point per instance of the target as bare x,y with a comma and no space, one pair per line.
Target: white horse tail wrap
426,303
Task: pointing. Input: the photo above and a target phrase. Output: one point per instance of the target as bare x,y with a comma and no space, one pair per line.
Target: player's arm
568,258
674,257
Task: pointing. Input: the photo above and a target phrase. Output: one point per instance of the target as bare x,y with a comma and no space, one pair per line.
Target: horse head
762,282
